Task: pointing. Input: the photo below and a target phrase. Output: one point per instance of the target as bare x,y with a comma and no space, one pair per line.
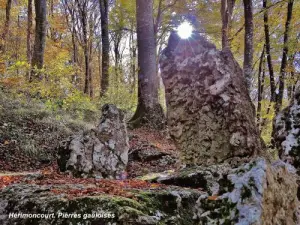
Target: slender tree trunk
3,37
86,51
133,61
87,71
248,52
292,82
91,89
105,46
52,30
100,62
18,44
134,69
268,51
284,57
6,27
29,34
40,38
283,66
149,111
75,55
226,14
90,46
261,84
117,58
82,6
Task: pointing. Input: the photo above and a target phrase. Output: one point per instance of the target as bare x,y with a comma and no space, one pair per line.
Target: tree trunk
133,61
91,89
85,49
292,79
4,37
248,52
105,46
268,51
117,37
87,71
134,69
75,55
100,61
6,26
284,57
226,14
261,83
149,111
29,33
82,6
40,39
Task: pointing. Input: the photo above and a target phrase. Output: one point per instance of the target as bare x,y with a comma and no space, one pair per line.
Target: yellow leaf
213,197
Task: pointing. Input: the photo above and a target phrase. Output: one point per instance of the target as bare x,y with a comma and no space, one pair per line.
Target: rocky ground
255,193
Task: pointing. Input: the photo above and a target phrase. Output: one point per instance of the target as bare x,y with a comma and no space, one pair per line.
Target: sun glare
185,30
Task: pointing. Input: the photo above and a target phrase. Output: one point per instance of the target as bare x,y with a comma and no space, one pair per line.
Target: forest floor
150,152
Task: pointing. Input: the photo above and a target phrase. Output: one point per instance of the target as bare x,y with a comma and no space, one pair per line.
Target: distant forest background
76,55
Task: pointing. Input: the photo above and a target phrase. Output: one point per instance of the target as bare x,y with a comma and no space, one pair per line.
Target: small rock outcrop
102,151
287,132
254,193
209,112
145,207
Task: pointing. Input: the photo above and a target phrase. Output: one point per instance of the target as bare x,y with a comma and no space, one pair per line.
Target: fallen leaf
213,197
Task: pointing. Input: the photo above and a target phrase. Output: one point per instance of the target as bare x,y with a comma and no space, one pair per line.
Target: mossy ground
146,207
30,132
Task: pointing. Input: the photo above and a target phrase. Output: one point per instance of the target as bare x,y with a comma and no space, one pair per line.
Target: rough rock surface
102,151
254,193
151,153
287,132
149,207
209,111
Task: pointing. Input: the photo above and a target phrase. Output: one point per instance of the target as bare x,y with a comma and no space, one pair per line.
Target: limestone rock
149,207
254,193
287,132
209,112
102,151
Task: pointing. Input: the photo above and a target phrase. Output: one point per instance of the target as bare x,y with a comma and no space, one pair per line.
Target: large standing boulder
102,151
209,112
287,132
